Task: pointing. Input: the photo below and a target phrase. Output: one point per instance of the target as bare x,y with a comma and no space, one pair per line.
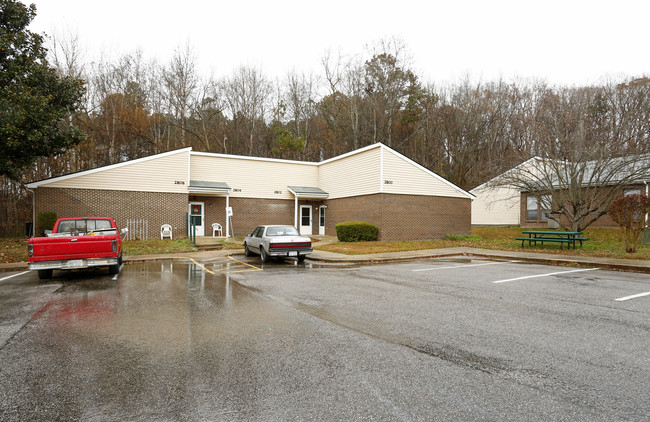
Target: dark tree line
467,132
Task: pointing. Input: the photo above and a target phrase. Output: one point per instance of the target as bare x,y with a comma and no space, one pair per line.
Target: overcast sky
563,42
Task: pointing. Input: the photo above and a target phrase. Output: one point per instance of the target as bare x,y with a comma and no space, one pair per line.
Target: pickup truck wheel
263,255
301,258
44,274
114,269
247,251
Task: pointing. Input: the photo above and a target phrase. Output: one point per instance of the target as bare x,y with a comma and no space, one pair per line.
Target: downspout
227,218
34,212
295,210
647,195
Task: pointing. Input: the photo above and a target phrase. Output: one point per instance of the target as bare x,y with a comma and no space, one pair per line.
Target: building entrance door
197,217
305,220
321,220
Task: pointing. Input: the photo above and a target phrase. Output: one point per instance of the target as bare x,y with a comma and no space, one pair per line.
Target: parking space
597,283
226,265
230,338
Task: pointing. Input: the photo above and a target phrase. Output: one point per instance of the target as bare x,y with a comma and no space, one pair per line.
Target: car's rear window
282,231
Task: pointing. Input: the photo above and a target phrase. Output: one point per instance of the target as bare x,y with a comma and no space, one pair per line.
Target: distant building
497,203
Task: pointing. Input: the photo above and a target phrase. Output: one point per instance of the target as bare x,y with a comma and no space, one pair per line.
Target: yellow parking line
242,262
200,265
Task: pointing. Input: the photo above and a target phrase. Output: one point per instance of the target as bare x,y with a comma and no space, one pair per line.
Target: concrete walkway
641,266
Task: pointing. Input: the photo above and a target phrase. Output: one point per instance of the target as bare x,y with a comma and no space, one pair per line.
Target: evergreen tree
35,103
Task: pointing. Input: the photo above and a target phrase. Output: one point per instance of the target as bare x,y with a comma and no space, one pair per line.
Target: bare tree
581,170
247,93
181,82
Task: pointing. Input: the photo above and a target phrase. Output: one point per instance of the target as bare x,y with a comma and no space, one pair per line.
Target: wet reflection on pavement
164,340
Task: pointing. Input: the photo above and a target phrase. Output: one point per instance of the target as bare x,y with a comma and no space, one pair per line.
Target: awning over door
201,186
305,192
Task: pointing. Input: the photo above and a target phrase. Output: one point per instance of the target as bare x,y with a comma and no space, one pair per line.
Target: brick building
374,184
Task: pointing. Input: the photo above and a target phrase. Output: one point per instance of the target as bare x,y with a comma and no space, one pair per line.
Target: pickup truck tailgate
72,247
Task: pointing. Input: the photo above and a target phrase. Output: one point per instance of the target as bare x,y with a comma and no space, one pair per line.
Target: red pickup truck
80,242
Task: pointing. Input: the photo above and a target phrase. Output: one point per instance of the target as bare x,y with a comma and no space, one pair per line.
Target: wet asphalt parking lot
230,339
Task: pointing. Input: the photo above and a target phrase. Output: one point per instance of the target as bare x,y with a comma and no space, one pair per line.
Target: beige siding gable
402,176
352,175
495,206
167,173
253,178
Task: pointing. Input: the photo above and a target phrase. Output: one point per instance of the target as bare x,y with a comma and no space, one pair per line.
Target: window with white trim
537,210
531,208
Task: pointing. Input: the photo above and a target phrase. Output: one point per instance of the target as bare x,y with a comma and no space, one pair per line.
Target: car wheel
114,269
247,251
44,274
264,255
301,258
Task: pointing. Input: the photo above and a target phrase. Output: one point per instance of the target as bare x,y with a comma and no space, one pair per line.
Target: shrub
629,213
45,221
356,231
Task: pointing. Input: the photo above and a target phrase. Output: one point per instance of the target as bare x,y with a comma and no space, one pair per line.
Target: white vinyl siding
159,174
250,178
404,177
496,206
353,175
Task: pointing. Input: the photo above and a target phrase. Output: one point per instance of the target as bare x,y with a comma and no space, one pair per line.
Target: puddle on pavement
170,306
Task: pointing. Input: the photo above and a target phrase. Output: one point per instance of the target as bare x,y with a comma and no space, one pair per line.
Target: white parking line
621,299
544,275
463,266
12,276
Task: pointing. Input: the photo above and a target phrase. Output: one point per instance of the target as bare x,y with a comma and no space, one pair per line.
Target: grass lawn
603,243
15,249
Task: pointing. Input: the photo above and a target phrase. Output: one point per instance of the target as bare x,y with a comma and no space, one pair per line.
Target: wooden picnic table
534,236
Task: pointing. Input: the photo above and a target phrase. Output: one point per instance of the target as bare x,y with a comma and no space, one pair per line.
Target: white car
277,241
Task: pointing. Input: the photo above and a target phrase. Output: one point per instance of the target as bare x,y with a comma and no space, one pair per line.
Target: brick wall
398,217
248,213
157,207
401,217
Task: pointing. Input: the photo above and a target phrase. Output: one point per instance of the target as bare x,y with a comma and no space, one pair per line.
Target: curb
533,260
346,259
565,262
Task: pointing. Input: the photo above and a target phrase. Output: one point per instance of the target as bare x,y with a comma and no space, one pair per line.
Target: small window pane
531,208
545,207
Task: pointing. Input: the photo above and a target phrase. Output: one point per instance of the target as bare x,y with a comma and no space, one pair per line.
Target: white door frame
306,230
199,230
322,211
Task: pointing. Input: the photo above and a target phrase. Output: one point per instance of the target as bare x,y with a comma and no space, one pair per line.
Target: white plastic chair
216,228
166,231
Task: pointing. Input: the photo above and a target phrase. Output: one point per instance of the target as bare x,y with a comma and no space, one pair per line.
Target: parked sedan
277,241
